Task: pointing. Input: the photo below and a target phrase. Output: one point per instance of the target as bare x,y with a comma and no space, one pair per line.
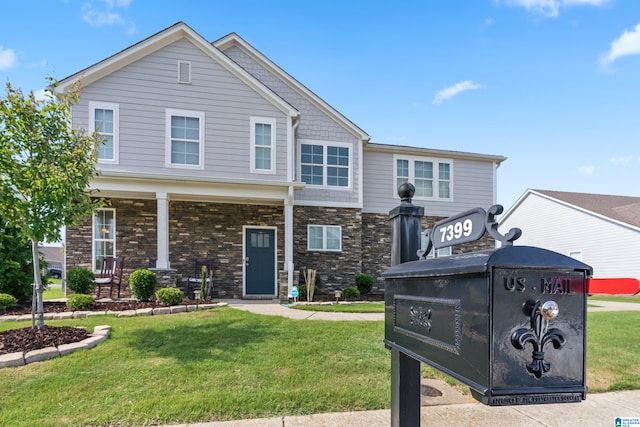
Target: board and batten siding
472,185
610,248
314,124
144,90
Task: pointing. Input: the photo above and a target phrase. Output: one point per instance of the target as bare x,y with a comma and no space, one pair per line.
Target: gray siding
609,247
145,88
472,186
314,124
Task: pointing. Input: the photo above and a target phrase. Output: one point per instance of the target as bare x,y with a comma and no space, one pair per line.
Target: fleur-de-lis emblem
539,335
420,317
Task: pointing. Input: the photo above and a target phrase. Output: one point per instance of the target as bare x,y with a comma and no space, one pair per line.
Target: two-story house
212,151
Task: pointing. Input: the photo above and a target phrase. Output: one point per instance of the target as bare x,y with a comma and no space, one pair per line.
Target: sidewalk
452,409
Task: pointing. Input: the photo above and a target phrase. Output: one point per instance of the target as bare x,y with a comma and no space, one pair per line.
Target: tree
45,170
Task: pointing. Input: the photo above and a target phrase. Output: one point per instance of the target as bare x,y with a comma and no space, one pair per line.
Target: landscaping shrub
364,283
169,296
7,301
16,263
80,301
81,280
351,293
143,284
302,292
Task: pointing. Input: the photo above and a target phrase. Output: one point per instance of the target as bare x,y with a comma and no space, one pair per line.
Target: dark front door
260,262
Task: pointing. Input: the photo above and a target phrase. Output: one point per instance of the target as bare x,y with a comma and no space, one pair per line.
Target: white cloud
627,44
618,160
41,94
454,90
587,170
550,8
98,19
488,21
8,58
99,16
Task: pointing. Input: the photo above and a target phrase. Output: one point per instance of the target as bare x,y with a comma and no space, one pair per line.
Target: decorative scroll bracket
467,227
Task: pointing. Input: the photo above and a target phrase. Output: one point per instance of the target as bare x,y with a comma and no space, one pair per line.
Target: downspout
288,209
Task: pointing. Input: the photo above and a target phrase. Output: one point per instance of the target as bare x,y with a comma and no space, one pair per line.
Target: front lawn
229,364
615,298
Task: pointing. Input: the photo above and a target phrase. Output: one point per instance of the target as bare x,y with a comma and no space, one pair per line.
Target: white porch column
162,261
288,238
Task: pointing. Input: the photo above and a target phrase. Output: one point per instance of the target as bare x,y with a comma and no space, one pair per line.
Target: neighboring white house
602,231
213,151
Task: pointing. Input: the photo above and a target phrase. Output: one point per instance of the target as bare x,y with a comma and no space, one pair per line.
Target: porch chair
110,275
195,281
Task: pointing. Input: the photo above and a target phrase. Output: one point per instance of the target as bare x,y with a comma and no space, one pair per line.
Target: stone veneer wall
337,270
196,230
214,230
135,237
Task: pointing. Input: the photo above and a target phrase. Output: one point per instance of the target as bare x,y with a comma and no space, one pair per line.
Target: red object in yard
616,286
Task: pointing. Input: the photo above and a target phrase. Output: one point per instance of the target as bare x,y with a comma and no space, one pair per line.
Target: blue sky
551,84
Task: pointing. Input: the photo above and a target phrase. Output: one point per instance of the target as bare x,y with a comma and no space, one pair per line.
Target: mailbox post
406,221
508,322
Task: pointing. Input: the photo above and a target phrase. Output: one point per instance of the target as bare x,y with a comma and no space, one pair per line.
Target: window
103,119
324,238
104,236
263,150
431,178
184,72
442,252
325,164
185,144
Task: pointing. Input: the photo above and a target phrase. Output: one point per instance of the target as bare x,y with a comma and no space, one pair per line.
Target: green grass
615,298
229,364
365,307
52,293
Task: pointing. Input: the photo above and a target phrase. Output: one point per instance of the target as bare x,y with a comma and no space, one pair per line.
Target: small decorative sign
294,292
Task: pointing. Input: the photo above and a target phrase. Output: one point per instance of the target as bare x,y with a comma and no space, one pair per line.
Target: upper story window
103,236
325,164
324,238
103,119
431,177
185,139
263,149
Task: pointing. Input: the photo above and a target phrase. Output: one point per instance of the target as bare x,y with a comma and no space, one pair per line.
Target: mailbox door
538,328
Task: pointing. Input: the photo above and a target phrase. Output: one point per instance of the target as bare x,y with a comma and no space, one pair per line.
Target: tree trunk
37,280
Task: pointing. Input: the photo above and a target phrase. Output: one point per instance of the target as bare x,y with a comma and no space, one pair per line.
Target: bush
143,284
81,280
351,293
80,301
7,301
302,293
16,264
364,283
169,296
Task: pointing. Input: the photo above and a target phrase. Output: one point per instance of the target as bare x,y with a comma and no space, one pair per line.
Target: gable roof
233,39
624,209
422,151
151,44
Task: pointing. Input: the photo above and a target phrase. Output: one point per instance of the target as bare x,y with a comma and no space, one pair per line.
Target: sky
553,85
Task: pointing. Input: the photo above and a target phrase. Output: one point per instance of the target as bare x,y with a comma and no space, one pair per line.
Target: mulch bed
28,339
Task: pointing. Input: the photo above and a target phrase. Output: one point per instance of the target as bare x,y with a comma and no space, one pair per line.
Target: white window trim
575,254
188,81
324,238
326,144
94,240
253,121
436,175
169,112
93,105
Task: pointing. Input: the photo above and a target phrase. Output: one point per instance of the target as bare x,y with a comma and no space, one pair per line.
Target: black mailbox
508,322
